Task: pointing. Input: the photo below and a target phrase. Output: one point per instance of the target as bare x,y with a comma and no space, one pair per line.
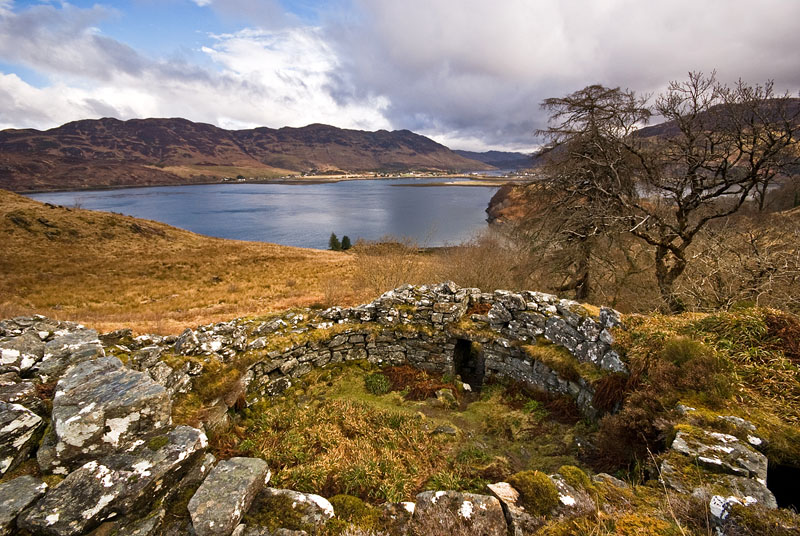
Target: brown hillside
138,152
107,270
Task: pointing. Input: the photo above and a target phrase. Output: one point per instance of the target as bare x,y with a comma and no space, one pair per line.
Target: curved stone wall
423,326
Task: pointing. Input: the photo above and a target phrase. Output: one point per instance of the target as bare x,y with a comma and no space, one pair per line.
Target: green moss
354,511
157,442
275,512
537,492
575,477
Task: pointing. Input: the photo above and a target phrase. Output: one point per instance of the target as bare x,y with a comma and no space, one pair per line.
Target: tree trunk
582,271
669,267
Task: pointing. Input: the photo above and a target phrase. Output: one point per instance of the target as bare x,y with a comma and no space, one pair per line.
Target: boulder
395,517
18,427
21,353
15,496
101,407
226,494
452,510
722,453
119,484
68,349
571,502
519,521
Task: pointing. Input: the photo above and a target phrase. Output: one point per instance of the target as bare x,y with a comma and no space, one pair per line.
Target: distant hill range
139,152
500,159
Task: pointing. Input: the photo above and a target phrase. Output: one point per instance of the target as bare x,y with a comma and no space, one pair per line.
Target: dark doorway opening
469,363
782,482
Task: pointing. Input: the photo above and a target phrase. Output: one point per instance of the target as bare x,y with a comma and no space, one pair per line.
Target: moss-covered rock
538,494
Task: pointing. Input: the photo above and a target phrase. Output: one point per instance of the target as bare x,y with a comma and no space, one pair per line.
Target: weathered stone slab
520,523
18,427
68,349
482,514
15,496
226,494
21,353
722,453
100,407
22,393
119,484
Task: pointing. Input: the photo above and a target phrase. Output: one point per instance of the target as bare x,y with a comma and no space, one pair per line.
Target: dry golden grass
110,271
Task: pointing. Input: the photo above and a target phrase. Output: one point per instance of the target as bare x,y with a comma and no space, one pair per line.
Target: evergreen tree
333,243
346,242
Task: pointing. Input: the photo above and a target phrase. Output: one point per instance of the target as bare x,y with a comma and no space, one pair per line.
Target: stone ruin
109,431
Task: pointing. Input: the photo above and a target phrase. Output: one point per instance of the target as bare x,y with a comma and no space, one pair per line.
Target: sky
468,73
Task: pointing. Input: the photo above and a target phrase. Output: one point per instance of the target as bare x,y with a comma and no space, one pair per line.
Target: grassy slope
110,271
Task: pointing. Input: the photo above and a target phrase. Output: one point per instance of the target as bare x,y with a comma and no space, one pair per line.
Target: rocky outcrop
226,495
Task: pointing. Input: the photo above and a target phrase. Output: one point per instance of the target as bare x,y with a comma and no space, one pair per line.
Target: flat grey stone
15,496
21,353
722,453
68,349
18,427
226,494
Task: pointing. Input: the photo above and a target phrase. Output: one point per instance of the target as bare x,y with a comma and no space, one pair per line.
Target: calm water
302,215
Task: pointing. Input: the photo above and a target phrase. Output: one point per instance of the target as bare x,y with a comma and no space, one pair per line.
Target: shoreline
472,181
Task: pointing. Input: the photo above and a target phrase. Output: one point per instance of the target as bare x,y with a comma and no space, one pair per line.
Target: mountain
500,159
138,152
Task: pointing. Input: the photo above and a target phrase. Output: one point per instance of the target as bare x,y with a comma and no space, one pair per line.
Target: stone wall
422,326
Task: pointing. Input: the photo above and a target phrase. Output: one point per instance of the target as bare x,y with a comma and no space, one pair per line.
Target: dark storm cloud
470,68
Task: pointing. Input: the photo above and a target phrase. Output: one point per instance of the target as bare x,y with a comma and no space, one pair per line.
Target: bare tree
587,161
718,147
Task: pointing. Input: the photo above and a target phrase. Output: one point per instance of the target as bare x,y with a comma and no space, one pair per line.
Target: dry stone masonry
107,440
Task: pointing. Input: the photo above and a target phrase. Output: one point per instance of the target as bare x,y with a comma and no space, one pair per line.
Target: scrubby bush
377,384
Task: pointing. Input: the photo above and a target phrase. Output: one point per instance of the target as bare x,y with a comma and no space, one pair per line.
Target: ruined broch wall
440,328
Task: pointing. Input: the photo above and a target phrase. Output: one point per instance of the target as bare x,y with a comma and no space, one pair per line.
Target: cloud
468,73
256,77
470,68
